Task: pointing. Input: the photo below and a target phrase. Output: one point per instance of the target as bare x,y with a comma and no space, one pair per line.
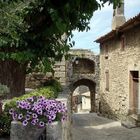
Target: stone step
128,124
135,119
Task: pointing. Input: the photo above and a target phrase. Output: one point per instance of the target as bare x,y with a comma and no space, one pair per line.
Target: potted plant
31,115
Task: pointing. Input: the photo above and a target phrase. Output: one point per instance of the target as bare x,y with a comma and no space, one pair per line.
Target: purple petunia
33,122
20,116
28,107
11,111
34,115
14,116
28,117
25,122
41,124
38,111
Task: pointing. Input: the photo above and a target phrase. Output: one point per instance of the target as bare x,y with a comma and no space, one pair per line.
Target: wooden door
134,89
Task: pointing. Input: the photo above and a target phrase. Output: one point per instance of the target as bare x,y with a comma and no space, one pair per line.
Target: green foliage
5,121
48,92
54,84
31,30
3,90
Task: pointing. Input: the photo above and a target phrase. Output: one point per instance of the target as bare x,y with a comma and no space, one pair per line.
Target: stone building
120,69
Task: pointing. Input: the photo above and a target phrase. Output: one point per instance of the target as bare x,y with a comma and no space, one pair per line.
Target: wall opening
81,99
134,90
83,96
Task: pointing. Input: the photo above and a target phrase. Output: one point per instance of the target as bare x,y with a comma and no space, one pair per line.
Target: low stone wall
36,80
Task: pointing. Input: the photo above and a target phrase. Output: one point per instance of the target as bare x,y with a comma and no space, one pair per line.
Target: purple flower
36,120
20,116
39,111
28,107
41,124
45,102
49,121
11,111
30,99
53,117
25,122
33,122
30,113
14,116
28,117
34,115
36,109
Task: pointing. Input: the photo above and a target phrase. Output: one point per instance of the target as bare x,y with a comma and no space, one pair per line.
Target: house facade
120,71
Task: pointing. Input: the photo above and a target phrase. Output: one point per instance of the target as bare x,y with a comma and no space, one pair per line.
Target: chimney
118,16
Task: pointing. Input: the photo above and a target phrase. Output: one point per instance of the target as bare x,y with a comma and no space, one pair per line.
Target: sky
100,24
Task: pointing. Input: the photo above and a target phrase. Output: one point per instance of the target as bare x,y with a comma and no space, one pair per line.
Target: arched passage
92,88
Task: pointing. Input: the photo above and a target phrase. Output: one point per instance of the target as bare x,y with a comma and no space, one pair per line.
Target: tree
31,32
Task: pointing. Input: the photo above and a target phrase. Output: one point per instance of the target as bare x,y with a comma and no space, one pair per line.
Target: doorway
134,90
81,100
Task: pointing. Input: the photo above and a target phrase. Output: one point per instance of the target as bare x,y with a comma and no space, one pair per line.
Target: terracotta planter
20,132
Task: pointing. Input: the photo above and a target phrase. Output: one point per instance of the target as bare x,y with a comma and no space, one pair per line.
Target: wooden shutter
107,80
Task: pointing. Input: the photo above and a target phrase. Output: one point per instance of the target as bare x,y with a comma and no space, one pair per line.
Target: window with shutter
107,80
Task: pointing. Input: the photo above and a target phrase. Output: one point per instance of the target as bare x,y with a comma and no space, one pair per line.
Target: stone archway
92,88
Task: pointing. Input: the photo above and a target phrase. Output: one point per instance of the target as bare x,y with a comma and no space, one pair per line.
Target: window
123,41
107,80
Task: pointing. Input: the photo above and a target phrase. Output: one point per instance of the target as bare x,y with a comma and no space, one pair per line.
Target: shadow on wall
107,111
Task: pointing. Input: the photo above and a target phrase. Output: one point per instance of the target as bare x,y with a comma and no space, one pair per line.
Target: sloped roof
132,22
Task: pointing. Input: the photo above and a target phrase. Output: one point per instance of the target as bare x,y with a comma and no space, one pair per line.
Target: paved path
92,127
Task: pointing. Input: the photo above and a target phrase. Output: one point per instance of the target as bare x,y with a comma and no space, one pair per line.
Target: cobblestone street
92,127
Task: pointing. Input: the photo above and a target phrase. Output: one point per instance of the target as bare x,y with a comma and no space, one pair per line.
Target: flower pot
20,132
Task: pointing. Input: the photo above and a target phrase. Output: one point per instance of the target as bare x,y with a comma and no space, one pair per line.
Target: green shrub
3,90
54,84
5,121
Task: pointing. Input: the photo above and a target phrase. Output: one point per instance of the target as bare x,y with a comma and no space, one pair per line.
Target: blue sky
100,24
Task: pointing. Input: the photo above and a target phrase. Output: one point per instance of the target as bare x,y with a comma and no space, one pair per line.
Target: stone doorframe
92,88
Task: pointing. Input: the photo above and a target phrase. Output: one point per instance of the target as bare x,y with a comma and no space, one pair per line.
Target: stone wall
60,71
119,63
36,80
